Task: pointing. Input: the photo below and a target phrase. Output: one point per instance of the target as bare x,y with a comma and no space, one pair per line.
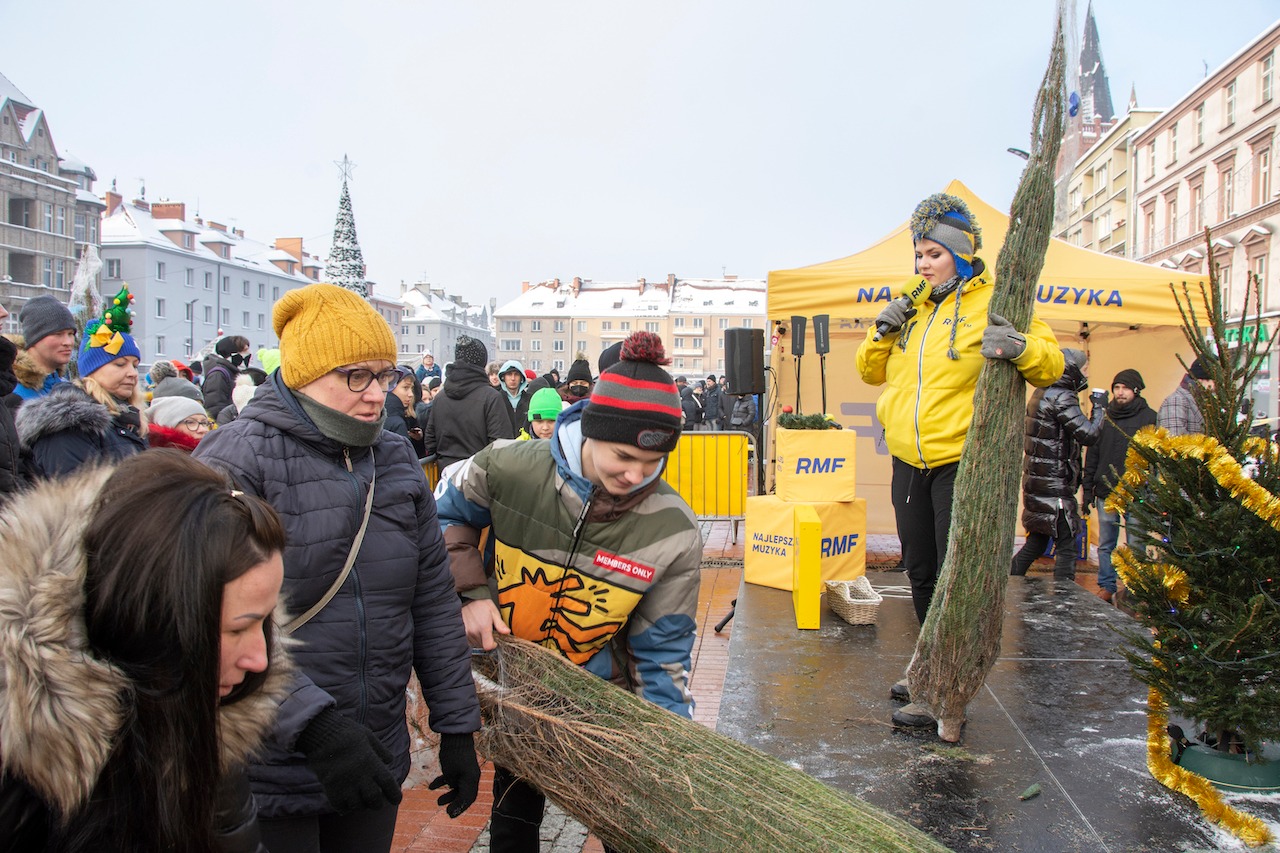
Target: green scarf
344,429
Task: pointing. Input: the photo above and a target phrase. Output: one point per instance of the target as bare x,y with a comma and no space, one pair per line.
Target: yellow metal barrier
431,471
713,471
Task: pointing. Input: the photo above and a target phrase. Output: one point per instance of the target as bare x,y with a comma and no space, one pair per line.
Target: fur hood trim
25,368
60,707
67,406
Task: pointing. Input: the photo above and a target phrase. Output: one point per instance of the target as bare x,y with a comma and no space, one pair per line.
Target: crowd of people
261,646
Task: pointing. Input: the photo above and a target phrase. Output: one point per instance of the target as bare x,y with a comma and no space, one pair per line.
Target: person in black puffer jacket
468,414
312,444
1056,430
11,475
228,360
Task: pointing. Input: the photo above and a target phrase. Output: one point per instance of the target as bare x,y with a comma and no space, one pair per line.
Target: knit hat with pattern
945,219
470,350
323,326
635,402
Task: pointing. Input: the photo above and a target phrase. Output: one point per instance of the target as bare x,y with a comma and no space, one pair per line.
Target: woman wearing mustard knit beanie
365,568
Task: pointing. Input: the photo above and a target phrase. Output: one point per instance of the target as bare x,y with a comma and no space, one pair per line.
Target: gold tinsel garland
1247,828
1220,463
1230,475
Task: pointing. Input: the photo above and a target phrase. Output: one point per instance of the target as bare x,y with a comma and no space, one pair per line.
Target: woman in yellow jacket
930,359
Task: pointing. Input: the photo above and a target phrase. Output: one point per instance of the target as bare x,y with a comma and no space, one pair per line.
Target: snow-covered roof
83,196
423,307
631,299
10,92
130,225
27,127
76,166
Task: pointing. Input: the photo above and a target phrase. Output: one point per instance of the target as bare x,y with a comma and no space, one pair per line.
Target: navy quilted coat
396,611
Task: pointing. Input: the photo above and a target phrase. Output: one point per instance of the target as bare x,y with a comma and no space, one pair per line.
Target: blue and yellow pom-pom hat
108,338
946,220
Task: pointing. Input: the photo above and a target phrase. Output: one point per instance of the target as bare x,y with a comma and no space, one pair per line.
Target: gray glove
1001,340
891,320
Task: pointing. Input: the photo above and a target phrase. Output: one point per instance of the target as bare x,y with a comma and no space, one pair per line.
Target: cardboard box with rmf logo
815,465
770,548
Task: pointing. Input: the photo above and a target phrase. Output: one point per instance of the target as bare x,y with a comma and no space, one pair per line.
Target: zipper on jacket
363,648
578,529
915,415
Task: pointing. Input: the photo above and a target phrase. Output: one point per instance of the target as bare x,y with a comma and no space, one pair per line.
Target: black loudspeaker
822,333
744,360
797,335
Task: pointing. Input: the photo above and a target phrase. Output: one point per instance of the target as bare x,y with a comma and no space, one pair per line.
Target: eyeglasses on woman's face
360,378
196,424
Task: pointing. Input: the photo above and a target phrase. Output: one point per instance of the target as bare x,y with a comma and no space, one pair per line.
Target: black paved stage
1059,709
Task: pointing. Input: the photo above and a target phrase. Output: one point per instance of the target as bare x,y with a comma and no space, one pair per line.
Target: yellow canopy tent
1121,312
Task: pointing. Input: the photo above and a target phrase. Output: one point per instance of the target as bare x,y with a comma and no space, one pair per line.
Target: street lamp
1018,152
191,327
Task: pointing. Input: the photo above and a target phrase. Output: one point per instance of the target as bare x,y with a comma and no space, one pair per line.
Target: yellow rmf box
770,545
806,568
814,465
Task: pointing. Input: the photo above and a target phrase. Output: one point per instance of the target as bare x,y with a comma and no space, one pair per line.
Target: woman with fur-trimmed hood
138,665
97,418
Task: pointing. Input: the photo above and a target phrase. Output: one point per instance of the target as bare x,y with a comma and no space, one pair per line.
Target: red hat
530,375
183,371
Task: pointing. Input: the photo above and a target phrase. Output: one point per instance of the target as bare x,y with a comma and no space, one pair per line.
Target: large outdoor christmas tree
345,266
1203,565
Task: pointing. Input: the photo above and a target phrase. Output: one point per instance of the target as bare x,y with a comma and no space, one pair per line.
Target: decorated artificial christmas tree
345,266
1202,567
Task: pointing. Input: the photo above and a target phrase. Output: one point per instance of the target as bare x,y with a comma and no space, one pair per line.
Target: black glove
353,767
1086,504
1001,340
891,320
1098,398
460,770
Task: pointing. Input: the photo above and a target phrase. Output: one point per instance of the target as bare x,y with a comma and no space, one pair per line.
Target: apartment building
1209,162
48,212
552,322
433,320
194,280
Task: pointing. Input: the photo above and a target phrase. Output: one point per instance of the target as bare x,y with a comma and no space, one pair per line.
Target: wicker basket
854,601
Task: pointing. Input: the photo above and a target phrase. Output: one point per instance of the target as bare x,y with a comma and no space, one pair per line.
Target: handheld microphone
915,291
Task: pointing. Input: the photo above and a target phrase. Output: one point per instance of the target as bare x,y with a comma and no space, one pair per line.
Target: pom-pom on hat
323,326
42,317
946,219
635,402
545,405
470,350
108,338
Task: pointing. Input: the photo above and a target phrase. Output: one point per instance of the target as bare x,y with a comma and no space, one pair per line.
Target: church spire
1095,91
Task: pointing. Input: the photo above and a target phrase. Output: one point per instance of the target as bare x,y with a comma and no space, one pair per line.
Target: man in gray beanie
49,334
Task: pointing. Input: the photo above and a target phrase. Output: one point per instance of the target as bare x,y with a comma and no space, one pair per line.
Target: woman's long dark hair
167,534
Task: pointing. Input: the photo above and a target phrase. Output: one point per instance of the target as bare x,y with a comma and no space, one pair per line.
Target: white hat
171,411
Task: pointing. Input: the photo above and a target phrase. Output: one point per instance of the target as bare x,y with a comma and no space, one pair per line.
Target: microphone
915,291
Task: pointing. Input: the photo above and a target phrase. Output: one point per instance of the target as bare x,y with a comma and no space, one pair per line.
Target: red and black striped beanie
635,402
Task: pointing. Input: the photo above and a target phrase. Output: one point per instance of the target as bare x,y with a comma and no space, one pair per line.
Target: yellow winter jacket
928,405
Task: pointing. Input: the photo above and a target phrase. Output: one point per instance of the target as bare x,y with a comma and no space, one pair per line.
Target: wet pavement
1059,709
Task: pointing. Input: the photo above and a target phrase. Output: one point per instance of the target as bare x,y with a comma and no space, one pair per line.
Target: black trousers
1064,550
517,815
922,512
369,830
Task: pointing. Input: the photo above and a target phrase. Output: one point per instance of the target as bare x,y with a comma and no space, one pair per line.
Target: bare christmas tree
345,266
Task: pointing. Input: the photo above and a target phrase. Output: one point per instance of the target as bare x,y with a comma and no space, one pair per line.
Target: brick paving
424,826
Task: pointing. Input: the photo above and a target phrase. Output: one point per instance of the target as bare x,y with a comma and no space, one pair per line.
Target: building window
1266,71
226,284
191,277
208,281
191,311
697,322
1173,144
62,220
79,228
1226,193
720,345
245,287
1229,104
1101,180
93,230
1224,282
1151,159
244,319
159,270
582,326
1197,208
679,322
696,343
606,325
679,365
558,326
1171,216
188,242
208,314
1199,125
262,321
557,346
677,343
275,294
1258,267
651,327
262,290
48,272
1262,177
226,316
48,217
1073,198
511,345
60,279
510,325
422,330
724,322
625,325
746,322
535,345
159,344
159,309
535,325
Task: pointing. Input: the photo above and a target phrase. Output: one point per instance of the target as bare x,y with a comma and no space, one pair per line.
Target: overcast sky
505,141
